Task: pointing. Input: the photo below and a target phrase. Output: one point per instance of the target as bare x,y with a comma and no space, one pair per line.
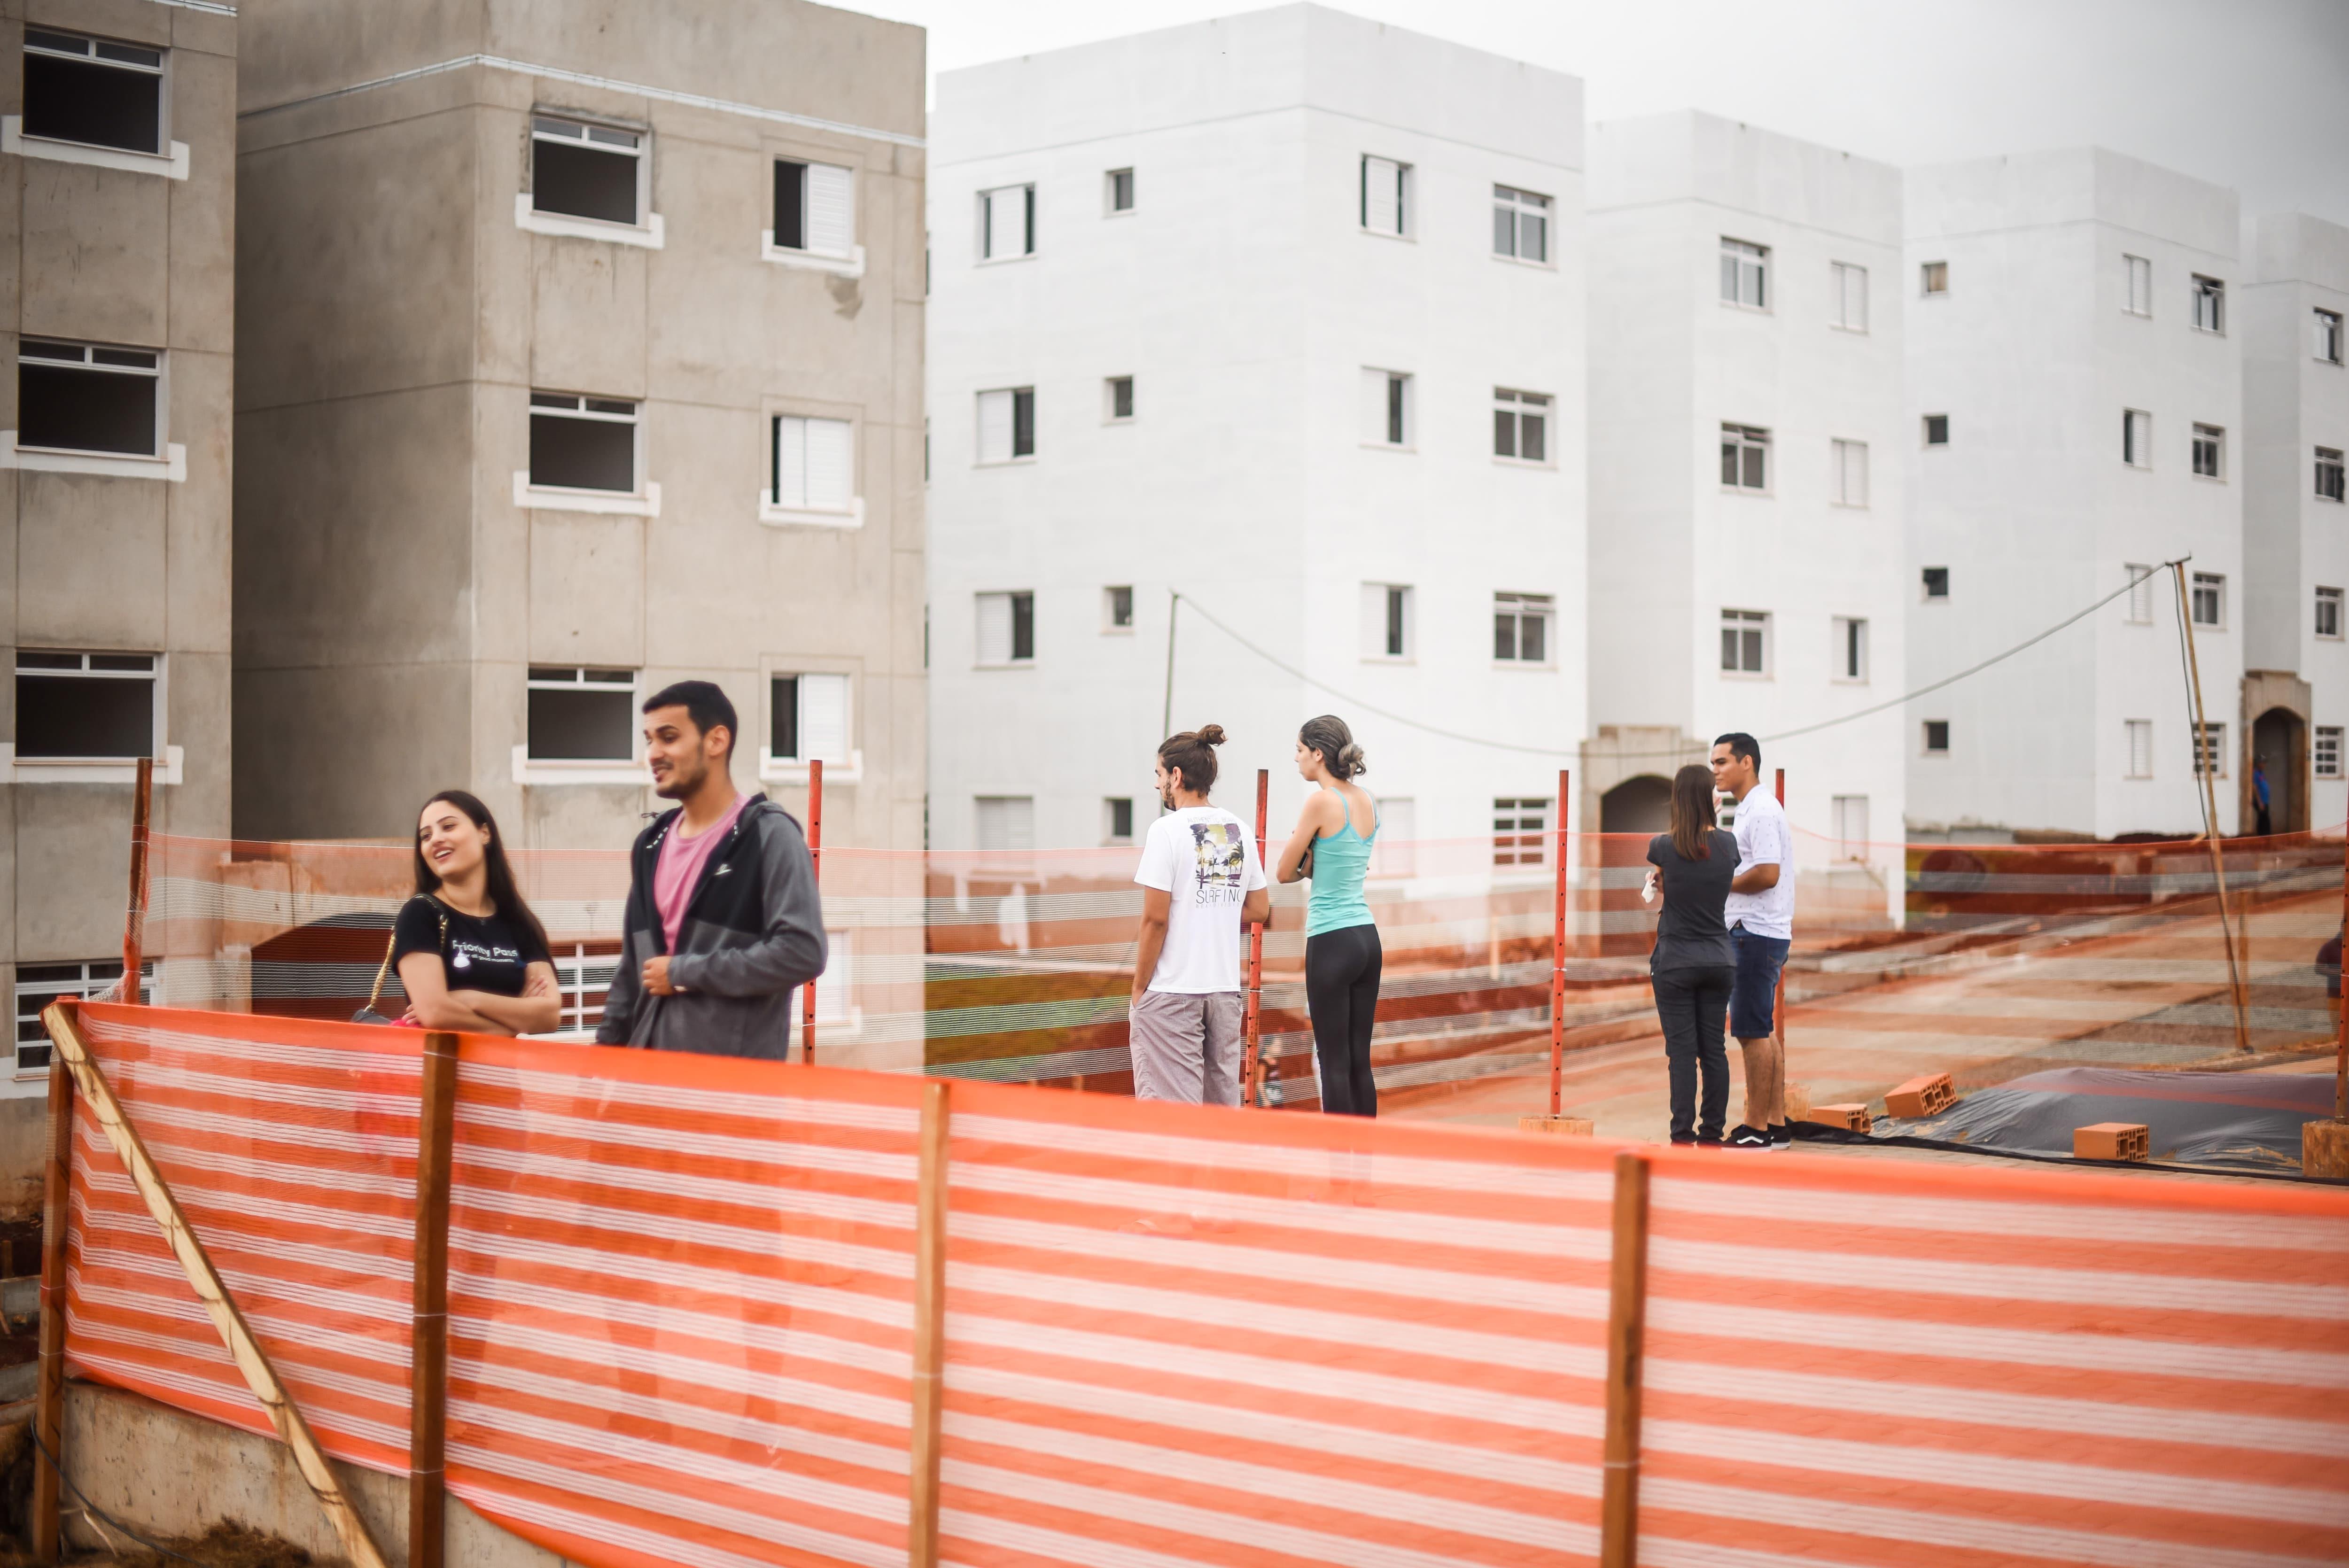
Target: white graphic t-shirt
1203,859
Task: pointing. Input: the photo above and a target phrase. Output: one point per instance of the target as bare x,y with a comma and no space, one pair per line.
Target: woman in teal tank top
1332,845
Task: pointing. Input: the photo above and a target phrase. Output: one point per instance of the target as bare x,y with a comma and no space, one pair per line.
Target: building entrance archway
2280,747
1640,804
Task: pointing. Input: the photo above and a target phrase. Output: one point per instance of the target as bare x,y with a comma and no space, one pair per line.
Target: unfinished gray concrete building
581,353
117,199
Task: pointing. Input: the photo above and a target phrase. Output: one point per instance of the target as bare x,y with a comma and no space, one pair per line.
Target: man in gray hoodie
723,923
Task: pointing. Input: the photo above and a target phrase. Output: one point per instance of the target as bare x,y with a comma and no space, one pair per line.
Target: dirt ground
223,1546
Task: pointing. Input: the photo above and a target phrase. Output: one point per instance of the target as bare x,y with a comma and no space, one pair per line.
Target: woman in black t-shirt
1693,966
470,952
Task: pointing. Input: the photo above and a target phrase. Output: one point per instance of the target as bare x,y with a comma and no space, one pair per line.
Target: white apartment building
2075,414
2295,527
1281,313
1748,454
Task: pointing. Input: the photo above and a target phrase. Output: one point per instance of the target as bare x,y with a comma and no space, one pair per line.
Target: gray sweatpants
1187,1046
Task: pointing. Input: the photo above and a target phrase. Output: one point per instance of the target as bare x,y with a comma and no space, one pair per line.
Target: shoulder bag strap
392,943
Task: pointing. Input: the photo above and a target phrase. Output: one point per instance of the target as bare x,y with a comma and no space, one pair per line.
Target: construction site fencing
687,1323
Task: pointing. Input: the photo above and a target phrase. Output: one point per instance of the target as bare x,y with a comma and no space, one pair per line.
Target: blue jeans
1752,1004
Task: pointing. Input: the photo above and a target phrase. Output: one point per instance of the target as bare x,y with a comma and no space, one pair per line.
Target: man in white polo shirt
1760,914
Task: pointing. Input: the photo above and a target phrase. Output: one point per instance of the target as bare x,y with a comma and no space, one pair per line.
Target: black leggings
1342,989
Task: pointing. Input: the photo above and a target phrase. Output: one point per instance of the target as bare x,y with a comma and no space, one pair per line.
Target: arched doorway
2280,747
1638,805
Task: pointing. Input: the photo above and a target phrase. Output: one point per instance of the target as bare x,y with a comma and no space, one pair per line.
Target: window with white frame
807,717
810,464
2136,438
1937,429
2210,751
1520,224
1849,462
1386,196
1933,279
1847,296
1117,820
1521,830
1746,642
2328,336
89,397
1007,629
83,707
2209,304
579,170
1744,274
579,715
1117,608
2209,452
583,980
1850,648
1006,824
1937,738
2138,735
1387,629
2139,602
2140,286
815,208
1007,425
582,443
2328,473
1745,458
1936,581
1117,399
2209,599
1521,425
1394,852
1387,412
93,91
2328,613
1117,191
38,984
1521,627
1007,222
1851,827
2326,752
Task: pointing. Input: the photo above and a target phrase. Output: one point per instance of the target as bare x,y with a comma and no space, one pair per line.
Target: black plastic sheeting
2232,1121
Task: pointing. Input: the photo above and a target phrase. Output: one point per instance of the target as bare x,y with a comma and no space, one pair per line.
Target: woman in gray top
1693,966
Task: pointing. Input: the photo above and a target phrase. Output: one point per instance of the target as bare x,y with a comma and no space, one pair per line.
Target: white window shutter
831,208
1007,822
1855,298
1374,620
995,427
995,628
994,226
790,461
1855,472
824,717
1374,406
829,465
1382,195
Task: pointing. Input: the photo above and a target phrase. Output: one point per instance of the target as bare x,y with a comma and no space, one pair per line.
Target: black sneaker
1746,1138
1683,1139
1781,1137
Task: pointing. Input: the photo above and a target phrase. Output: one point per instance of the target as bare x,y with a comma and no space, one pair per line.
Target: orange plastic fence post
1558,958
134,916
1251,1025
1627,1313
1779,997
929,1326
816,869
49,1412
428,1422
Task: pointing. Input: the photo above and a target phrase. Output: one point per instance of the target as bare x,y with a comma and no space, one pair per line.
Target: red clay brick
1928,1096
2110,1141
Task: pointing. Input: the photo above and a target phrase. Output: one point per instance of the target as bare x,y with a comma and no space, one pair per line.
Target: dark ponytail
1329,735
505,896
1192,751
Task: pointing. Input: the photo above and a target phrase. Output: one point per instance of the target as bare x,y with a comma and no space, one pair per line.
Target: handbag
368,1015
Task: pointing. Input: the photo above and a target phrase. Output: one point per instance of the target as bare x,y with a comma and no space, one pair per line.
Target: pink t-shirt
679,870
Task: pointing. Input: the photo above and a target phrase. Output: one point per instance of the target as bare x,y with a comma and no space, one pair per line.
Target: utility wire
32,1431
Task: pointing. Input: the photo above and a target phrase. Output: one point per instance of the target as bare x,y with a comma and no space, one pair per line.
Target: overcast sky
2253,94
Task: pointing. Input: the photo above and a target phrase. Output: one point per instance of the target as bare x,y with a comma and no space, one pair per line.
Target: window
2328,473
1521,623
2210,752
815,208
1847,296
582,443
1387,630
2328,613
583,980
2209,304
2139,734
807,718
1117,820
84,397
1520,224
1521,832
582,715
2209,450
1117,396
1746,642
1007,425
1007,823
1937,581
1937,429
1387,408
1394,852
2328,336
1745,458
2136,438
811,464
1851,827
2140,291
2327,754
1007,628
1933,279
1386,194
1007,222
93,91
1937,738
2209,599
1850,648
38,984
581,170
1118,188
95,705
1117,609
2140,595
1521,425
1850,463
1744,274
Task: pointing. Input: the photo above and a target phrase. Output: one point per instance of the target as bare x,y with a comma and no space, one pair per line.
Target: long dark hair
503,894
1192,751
1692,813
1329,735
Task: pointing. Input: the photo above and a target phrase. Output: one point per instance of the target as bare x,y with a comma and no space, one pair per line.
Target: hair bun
1212,734
1350,759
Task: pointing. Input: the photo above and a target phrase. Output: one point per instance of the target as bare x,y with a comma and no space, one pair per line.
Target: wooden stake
2341,1041
1251,1025
2207,764
134,916
428,1422
1627,1311
929,1326
1779,996
816,869
64,1025
1558,959
56,1214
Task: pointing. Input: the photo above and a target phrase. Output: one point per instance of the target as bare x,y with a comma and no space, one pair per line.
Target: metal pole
428,1421
134,918
815,870
1627,1309
56,1213
1166,710
1251,1025
1558,959
2207,763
